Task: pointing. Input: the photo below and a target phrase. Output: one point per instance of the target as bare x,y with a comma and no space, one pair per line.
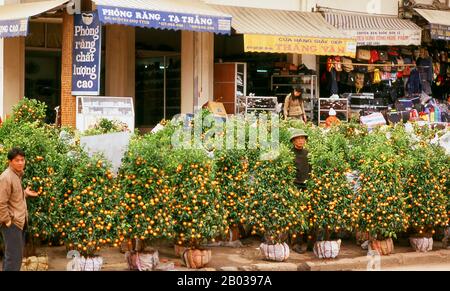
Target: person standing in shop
13,209
303,170
294,105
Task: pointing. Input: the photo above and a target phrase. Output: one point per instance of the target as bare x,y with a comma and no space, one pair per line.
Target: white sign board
113,146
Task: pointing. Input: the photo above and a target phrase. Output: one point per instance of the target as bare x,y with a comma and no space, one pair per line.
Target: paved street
431,267
248,258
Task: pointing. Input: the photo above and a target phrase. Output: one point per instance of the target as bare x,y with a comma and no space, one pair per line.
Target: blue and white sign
164,20
86,54
13,28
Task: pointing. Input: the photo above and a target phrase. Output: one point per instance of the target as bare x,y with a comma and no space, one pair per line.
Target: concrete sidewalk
248,258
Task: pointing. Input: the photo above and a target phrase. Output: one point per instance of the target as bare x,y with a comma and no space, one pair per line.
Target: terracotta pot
195,258
421,244
384,247
446,237
233,234
327,249
179,250
276,252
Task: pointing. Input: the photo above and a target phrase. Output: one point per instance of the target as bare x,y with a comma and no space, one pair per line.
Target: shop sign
86,54
441,32
164,20
387,37
300,45
13,28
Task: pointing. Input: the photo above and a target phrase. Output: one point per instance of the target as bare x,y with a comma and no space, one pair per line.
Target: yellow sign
300,45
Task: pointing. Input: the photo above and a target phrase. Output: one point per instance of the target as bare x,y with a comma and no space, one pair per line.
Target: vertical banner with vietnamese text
86,54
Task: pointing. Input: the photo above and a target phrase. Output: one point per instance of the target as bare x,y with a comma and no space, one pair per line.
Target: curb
362,263
358,263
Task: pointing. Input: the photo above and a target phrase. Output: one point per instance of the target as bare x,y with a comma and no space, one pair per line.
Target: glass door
173,86
149,91
43,79
158,89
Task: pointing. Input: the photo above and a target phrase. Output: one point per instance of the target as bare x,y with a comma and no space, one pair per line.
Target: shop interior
268,77
43,65
158,76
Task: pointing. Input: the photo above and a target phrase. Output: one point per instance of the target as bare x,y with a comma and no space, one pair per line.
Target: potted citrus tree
196,207
332,209
381,203
231,168
275,209
90,215
45,154
427,195
145,196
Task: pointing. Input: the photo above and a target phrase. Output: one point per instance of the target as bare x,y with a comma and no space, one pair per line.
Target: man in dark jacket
298,139
13,209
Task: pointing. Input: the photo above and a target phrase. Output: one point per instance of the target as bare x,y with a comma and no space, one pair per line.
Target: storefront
272,47
436,41
30,36
143,45
380,73
166,54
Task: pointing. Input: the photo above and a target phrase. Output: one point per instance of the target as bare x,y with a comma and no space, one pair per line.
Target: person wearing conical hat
303,170
299,139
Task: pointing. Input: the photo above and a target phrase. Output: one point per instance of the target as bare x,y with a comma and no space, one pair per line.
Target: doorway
43,79
158,87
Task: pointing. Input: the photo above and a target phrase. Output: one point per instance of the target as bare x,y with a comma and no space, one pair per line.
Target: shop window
44,35
158,89
260,66
54,35
36,35
43,79
158,76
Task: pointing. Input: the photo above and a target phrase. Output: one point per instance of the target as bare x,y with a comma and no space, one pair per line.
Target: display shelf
230,82
250,103
327,110
113,108
308,83
340,105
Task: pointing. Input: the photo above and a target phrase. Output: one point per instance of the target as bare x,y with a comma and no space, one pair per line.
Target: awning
439,22
191,15
282,31
371,30
14,17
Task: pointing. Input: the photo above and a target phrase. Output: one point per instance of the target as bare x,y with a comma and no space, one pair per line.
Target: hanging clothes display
334,84
414,85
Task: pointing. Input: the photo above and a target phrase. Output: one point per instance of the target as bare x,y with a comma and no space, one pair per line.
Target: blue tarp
164,20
